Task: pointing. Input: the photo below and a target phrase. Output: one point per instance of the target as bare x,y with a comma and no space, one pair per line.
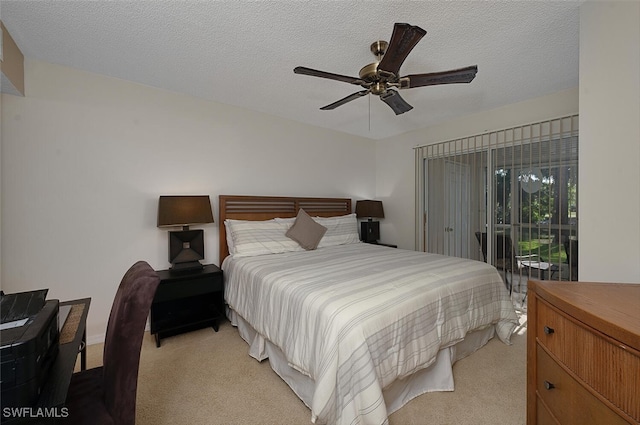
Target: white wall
85,157
395,162
609,195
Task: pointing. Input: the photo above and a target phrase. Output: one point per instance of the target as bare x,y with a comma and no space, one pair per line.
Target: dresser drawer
567,399
544,416
595,359
552,331
169,290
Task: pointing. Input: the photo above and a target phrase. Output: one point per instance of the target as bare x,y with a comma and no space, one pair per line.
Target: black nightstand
186,301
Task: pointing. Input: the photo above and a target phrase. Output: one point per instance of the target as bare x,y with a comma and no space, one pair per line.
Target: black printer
29,340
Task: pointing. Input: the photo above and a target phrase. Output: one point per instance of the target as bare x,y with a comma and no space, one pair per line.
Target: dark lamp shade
368,208
184,210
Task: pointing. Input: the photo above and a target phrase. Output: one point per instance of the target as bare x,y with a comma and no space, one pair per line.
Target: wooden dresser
583,353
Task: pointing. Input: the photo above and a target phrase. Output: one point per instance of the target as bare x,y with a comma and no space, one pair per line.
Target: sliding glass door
535,204
517,185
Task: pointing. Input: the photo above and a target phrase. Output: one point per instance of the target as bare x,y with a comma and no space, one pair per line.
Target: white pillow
341,230
288,221
249,238
227,230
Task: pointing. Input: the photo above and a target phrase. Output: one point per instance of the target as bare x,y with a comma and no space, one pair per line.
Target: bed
356,330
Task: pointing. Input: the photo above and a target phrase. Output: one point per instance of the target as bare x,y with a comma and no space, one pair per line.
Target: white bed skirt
436,377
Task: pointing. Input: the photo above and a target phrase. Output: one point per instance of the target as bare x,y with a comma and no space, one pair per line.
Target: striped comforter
357,317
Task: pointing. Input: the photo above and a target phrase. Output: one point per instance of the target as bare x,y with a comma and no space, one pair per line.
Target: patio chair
507,260
504,255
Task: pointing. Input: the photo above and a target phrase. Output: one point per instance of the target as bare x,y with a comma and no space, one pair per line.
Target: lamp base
186,249
369,231
187,266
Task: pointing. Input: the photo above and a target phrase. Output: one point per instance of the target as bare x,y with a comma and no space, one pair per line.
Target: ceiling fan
379,78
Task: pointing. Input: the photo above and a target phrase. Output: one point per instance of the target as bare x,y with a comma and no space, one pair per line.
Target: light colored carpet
204,377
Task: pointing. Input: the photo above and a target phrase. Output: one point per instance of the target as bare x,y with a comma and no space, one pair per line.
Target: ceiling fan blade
462,75
403,40
315,73
395,102
344,100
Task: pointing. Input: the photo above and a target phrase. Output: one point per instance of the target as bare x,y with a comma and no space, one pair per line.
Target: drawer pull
548,385
548,330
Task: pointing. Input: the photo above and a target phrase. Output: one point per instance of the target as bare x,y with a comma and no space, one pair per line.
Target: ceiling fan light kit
381,77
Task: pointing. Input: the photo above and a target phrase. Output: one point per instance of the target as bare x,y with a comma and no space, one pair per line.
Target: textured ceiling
243,53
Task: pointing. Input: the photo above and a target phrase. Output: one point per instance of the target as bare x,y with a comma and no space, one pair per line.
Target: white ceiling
243,52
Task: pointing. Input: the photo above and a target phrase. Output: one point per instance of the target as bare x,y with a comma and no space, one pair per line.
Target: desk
73,339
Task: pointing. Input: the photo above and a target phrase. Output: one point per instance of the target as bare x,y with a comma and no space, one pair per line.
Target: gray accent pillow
306,231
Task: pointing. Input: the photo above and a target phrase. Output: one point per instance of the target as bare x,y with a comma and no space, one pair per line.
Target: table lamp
186,247
369,230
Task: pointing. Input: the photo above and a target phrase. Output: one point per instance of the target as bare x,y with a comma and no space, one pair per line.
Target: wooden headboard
258,208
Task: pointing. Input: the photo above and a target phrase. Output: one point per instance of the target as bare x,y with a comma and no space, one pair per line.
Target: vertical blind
518,185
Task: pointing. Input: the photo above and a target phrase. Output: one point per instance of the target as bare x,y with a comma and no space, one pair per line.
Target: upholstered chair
107,394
